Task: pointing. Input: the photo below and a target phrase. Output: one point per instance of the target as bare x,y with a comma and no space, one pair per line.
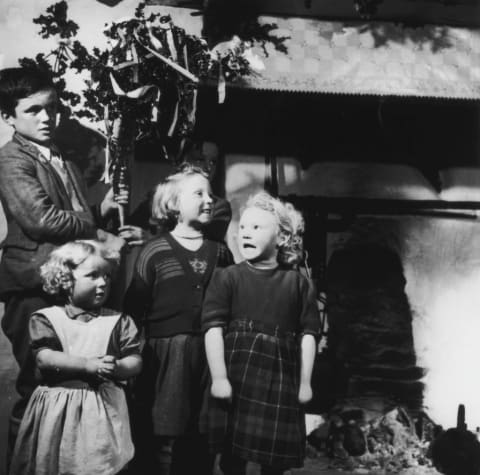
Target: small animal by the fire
456,451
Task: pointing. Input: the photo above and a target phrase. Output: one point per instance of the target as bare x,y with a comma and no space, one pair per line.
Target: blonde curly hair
165,208
290,226
57,271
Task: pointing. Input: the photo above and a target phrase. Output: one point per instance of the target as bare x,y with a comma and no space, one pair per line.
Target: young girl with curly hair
166,295
77,420
261,322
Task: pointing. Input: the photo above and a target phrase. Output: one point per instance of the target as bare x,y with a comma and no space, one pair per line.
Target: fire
448,348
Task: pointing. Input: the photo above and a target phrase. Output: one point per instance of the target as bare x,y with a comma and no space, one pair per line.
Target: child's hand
102,367
305,393
133,235
107,366
221,389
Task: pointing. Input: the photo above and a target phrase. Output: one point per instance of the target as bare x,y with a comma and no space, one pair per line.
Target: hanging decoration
144,83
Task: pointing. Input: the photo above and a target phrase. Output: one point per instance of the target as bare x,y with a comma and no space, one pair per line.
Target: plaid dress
264,423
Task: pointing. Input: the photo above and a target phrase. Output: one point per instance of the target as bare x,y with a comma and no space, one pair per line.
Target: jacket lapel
53,176
33,151
77,184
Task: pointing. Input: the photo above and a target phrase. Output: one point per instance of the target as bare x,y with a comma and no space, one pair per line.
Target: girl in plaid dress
261,322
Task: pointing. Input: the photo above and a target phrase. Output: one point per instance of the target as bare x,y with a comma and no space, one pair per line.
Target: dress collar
77,313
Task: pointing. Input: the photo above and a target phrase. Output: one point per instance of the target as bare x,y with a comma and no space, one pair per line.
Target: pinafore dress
73,428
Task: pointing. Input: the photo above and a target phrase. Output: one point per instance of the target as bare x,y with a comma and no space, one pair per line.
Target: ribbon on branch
221,85
137,93
168,62
108,137
170,41
174,120
131,56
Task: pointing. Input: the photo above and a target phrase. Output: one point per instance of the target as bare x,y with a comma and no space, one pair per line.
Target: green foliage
55,22
132,65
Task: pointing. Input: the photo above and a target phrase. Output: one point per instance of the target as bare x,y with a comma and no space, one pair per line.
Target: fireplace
370,339
403,308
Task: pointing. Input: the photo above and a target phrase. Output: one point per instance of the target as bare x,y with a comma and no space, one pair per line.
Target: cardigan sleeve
216,309
139,293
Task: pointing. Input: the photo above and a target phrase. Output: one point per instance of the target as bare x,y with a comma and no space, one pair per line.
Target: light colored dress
74,428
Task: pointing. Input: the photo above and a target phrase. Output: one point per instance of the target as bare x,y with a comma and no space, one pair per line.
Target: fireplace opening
370,337
375,419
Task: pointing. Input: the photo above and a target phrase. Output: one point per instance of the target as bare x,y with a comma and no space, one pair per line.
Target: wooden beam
441,12
355,206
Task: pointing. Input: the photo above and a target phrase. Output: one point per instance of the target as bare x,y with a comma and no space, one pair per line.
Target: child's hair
165,199
290,224
18,83
57,272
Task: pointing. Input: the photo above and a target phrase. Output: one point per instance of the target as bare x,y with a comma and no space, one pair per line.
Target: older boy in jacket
45,205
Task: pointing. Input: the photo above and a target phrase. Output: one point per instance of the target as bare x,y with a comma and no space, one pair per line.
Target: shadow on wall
86,148
82,145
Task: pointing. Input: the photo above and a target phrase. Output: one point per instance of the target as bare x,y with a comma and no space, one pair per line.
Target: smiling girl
77,420
261,320
166,297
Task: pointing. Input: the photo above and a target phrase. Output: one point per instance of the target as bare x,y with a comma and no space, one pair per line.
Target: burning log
358,440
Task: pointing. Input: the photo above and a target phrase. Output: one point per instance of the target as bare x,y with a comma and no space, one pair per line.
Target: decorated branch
149,70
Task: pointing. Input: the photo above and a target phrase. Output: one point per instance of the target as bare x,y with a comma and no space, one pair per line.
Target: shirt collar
44,151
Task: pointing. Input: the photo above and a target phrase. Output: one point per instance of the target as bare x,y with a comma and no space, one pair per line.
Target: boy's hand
305,393
221,389
133,235
113,202
112,242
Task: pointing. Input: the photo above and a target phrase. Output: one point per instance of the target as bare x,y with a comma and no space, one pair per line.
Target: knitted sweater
169,282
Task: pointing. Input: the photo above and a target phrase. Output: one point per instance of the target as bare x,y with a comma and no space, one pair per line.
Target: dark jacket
39,213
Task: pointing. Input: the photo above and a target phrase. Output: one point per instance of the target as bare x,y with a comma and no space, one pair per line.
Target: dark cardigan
166,293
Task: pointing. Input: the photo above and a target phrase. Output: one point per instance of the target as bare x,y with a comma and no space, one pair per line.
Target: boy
45,205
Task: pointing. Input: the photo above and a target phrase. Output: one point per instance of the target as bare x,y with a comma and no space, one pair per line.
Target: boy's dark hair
18,83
